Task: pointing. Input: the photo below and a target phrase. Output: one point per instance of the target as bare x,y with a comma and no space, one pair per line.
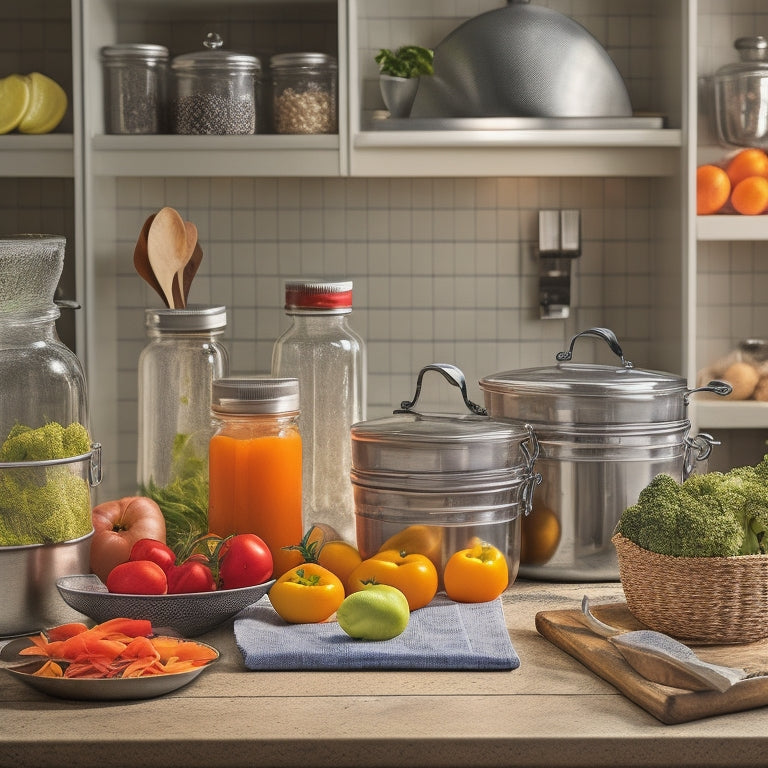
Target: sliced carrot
65,631
185,650
127,627
49,669
140,648
86,645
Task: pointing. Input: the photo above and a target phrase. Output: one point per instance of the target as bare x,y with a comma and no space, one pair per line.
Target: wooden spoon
178,281
167,249
191,269
141,260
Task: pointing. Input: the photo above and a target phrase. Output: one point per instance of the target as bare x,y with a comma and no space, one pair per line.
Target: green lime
47,105
378,612
14,100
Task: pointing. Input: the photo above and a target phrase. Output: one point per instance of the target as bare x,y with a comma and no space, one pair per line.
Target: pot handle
699,448
607,335
452,375
530,448
716,386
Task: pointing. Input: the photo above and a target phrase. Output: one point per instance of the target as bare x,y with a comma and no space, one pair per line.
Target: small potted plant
399,73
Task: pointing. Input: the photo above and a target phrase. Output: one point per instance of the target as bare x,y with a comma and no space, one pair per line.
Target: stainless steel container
462,476
604,433
741,95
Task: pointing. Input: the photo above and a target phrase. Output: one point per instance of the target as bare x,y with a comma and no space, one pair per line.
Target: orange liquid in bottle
255,487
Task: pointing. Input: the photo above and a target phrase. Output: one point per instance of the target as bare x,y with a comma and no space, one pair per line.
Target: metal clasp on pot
698,449
530,448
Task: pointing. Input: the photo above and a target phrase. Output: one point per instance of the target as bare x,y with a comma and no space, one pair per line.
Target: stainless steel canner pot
604,433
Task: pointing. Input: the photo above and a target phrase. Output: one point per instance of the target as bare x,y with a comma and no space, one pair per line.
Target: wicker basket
707,600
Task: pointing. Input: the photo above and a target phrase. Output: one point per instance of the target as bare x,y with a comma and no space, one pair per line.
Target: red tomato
117,526
137,577
190,576
245,561
154,550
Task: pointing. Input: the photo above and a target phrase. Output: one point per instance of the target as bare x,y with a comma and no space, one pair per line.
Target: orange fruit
746,163
712,189
750,196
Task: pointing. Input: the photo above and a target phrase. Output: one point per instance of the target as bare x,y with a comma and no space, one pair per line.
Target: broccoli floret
673,520
51,441
747,495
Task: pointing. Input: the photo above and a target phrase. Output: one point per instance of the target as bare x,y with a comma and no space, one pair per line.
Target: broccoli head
670,520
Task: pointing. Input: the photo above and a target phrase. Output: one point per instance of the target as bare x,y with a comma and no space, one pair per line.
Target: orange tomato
750,196
306,594
476,575
414,575
746,163
712,189
418,539
322,545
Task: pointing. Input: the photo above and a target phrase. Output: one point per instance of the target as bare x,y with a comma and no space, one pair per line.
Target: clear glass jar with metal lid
182,357
255,463
216,92
304,88
135,88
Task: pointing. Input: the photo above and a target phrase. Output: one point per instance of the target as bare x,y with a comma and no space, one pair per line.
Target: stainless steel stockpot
463,475
604,432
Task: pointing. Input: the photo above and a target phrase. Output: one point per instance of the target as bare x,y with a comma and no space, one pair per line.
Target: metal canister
453,477
605,432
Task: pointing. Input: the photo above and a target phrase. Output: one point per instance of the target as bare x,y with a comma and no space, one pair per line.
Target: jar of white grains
304,87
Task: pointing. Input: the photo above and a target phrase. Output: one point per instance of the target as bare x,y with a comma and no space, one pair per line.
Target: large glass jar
47,461
182,357
135,81
304,93
216,92
255,464
328,358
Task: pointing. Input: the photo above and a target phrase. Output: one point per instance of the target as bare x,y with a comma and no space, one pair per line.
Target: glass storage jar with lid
135,88
216,92
304,87
182,357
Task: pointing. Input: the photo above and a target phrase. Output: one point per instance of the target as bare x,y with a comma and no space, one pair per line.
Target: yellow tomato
539,536
306,594
418,539
322,545
414,575
476,575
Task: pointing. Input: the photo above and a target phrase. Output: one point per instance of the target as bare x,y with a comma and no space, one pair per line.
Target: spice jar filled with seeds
135,83
304,87
215,91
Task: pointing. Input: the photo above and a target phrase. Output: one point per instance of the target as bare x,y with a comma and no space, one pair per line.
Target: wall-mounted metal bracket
559,245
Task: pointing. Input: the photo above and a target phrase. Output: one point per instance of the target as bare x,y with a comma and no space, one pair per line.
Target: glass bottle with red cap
328,357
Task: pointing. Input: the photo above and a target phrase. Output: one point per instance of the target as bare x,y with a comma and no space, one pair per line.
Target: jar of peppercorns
216,91
304,87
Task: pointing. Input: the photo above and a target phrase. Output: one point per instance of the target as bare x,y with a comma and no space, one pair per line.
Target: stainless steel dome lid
409,444
522,61
583,393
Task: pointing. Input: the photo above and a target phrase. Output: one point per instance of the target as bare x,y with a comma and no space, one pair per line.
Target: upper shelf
50,155
745,414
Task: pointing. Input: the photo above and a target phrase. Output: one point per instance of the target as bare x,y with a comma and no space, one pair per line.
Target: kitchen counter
551,711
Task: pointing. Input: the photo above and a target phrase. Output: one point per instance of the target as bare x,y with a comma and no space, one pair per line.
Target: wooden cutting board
566,629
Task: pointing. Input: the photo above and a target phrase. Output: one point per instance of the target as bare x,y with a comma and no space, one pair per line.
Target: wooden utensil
141,260
191,270
167,249
178,281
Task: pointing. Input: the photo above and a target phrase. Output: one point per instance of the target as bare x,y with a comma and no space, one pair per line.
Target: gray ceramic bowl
189,614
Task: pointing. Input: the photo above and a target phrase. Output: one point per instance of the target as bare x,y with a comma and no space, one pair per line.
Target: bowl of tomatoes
191,596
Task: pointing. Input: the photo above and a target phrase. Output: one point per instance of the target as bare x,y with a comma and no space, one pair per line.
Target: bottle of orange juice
254,463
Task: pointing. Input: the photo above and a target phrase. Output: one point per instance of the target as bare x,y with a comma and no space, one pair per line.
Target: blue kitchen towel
443,635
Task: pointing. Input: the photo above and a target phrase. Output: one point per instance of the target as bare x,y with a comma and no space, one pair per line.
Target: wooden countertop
551,711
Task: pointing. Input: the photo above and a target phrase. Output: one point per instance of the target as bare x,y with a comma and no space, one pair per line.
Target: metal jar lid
190,319
574,393
441,452
301,61
145,52
319,295
255,395
214,59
